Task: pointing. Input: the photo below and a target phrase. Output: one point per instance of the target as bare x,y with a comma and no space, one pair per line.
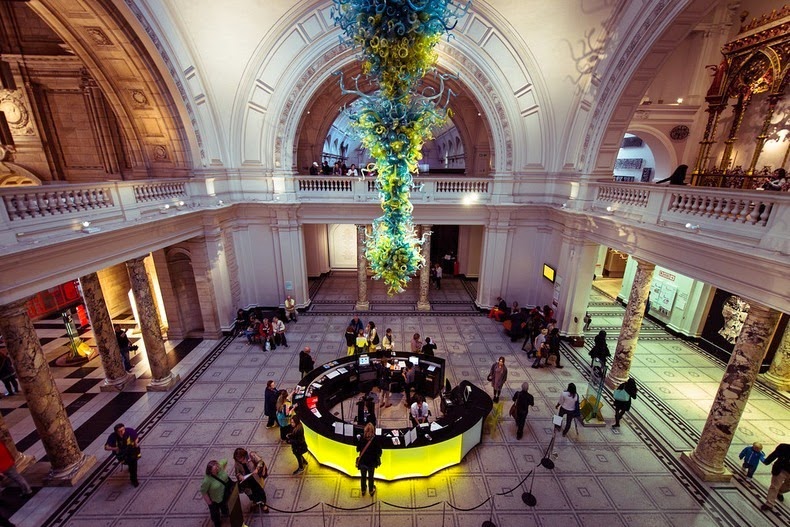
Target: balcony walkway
620,477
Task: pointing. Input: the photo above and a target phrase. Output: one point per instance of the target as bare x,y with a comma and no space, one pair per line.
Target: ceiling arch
297,59
129,78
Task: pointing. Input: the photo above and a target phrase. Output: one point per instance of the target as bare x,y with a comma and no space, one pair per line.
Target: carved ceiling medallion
15,112
679,133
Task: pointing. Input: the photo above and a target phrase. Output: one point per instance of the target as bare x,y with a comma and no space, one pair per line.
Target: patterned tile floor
621,477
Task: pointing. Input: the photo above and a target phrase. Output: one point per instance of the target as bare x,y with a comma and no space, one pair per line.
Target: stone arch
182,280
130,79
13,175
664,153
286,72
660,26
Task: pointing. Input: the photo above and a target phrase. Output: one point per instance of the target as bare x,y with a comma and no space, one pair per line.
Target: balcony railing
338,188
756,217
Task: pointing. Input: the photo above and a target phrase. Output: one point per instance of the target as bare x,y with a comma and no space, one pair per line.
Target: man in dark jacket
780,475
522,401
306,362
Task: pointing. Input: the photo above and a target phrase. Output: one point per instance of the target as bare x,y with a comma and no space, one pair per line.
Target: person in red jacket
8,469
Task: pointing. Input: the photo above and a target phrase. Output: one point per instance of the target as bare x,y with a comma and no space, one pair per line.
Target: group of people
338,169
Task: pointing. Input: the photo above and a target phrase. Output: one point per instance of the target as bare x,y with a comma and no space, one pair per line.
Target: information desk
407,452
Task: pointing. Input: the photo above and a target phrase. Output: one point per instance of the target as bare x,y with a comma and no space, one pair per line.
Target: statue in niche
734,311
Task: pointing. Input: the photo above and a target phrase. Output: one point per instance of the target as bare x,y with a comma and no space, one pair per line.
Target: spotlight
609,208
692,226
180,204
86,224
87,229
564,205
164,208
220,202
680,100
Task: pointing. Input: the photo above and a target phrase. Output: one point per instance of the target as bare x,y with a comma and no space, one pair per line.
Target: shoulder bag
621,395
227,486
356,463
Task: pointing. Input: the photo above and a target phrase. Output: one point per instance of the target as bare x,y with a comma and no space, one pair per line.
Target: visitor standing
124,443
298,444
497,377
270,404
212,488
369,458
124,346
306,362
251,473
780,475
290,309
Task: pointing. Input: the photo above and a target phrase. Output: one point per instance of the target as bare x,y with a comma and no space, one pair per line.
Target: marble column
778,375
22,460
362,271
115,377
43,399
425,272
163,379
632,323
707,459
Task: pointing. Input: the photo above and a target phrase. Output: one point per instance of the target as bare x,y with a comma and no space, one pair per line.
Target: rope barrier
403,507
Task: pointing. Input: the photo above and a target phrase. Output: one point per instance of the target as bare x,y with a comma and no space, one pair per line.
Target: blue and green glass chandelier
398,40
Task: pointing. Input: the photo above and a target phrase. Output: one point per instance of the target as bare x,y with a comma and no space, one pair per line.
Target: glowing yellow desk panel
463,427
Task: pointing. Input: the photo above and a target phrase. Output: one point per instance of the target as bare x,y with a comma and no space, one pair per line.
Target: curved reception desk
407,452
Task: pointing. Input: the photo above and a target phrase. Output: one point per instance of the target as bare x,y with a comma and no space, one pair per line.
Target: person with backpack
215,489
251,472
622,400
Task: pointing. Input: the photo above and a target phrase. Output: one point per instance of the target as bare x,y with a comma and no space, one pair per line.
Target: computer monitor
364,360
414,360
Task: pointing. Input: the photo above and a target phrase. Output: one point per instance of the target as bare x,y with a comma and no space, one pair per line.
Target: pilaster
362,271
425,272
778,374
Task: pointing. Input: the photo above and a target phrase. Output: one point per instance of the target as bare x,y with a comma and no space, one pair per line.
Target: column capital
137,260
13,308
644,264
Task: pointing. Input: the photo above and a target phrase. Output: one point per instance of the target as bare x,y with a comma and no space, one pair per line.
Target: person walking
212,488
8,469
306,362
521,402
124,443
622,400
780,476
751,456
251,473
8,373
270,404
298,444
124,346
497,377
369,458
567,405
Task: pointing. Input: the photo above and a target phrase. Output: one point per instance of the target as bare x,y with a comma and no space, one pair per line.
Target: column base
118,385
704,473
613,382
362,306
777,383
70,476
164,384
23,461
423,306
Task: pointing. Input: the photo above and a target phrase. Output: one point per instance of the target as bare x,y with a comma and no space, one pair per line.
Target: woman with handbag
283,415
213,489
497,377
298,444
622,400
521,402
369,457
251,472
568,403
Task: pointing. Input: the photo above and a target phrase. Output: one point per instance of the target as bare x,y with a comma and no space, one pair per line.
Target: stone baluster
425,272
362,271
778,374
115,378
632,323
707,459
43,399
163,378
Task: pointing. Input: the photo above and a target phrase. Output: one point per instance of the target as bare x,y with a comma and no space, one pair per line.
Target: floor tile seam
83,492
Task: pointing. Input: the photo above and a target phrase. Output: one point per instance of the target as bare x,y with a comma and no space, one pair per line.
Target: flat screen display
549,272
415,360
364,360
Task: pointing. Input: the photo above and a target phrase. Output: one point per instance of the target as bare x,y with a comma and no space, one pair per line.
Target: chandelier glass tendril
397,39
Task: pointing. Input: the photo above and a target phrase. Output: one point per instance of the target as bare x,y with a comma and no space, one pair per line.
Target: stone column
778,375
115,377
362,271
425,273
163,379
68,462
707,459
22,460
632,323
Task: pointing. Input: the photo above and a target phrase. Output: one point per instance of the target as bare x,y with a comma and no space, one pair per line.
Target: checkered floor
629,476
